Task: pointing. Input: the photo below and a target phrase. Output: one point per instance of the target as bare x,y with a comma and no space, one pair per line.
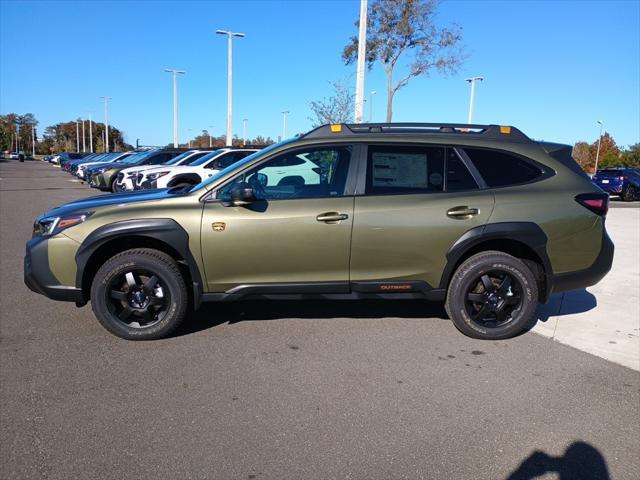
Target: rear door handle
331,217
462,213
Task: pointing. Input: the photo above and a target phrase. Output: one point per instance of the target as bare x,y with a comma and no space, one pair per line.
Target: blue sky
551,68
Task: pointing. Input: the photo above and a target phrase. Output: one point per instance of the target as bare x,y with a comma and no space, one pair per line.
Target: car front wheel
139,294
492,295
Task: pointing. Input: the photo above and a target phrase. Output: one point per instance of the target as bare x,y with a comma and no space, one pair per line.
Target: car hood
91,203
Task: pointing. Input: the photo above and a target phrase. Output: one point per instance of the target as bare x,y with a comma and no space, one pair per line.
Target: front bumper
563,282
39,278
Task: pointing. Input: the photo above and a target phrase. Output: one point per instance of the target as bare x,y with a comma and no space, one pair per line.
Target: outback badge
218,226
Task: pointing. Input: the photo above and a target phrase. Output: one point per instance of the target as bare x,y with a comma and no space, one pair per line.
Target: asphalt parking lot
279,390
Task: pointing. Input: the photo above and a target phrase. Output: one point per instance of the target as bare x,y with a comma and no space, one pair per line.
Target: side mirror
241,195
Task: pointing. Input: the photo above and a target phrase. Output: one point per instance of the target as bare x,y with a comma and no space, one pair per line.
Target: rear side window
397,170
499,169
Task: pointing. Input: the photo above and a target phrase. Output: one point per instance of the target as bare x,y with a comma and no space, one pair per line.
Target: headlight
48,226
157,175
132,174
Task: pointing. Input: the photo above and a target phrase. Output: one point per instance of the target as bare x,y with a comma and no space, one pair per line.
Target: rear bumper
563,282
39,278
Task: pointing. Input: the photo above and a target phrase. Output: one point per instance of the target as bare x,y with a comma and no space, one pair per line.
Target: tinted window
458,175
314,173
400,170
499,169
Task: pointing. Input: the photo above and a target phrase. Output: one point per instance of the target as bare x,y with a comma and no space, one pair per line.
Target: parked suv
206,166
624,182
480,217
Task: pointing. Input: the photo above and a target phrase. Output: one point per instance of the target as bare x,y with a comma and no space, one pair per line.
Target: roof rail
489,132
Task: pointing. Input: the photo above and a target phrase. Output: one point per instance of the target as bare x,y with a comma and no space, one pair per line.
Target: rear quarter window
501,169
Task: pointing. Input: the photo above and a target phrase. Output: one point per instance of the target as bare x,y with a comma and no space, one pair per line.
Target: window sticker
399,170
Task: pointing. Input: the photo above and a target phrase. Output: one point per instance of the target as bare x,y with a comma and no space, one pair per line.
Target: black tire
492,296
629,194
114,187
139,294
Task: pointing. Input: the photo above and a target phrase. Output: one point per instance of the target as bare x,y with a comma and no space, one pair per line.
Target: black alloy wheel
493,298
138,298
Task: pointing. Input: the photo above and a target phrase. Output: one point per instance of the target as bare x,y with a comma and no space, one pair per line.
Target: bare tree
337,108
396,27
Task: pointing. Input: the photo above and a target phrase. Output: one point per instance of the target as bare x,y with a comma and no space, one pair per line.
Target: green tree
399,27
631,156
338,108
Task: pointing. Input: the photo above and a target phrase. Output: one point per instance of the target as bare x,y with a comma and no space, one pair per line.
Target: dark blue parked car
619,181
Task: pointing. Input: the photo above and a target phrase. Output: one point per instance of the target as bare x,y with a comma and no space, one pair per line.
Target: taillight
598,203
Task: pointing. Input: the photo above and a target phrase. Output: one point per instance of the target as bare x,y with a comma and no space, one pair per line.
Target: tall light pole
84,138
229,35
210,142
175,73
106,123
77,136
90,132
33,140
244,131
284,124
362,50
373,92
472,81
598,150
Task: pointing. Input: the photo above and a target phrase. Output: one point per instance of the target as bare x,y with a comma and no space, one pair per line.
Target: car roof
440,130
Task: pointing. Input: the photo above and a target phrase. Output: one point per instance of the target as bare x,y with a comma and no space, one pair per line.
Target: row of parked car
149,168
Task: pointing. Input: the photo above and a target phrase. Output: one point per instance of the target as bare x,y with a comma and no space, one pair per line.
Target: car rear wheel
139,294
629,194
492,295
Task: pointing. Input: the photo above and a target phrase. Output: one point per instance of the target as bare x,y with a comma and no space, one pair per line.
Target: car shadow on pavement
212,314
567,303
580,461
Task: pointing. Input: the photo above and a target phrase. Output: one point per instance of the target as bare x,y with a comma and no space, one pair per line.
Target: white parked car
171,176
126,179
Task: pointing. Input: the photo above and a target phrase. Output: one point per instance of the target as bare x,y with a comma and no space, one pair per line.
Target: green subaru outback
480,217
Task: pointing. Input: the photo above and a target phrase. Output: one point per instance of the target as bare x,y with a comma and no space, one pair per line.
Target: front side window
397,170
312,173
500,169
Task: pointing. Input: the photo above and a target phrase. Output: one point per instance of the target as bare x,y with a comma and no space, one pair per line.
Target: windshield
207,157
241,163
134,159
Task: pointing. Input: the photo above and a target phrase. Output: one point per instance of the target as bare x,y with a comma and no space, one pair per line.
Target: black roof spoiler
485,132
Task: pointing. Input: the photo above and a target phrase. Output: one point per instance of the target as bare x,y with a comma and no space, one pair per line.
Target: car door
418,200
294,238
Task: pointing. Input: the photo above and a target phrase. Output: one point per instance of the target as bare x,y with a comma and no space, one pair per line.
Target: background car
624,182
126,179
205,167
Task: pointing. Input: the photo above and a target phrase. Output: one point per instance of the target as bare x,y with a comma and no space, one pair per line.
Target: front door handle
331,217
462,213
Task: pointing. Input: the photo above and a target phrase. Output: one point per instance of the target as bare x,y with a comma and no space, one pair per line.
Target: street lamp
77,136
84,138
373,92
244,132
284,124
360,69
175,73
600,122
33,140
210,142
229,35
90,132
106,123
472,81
